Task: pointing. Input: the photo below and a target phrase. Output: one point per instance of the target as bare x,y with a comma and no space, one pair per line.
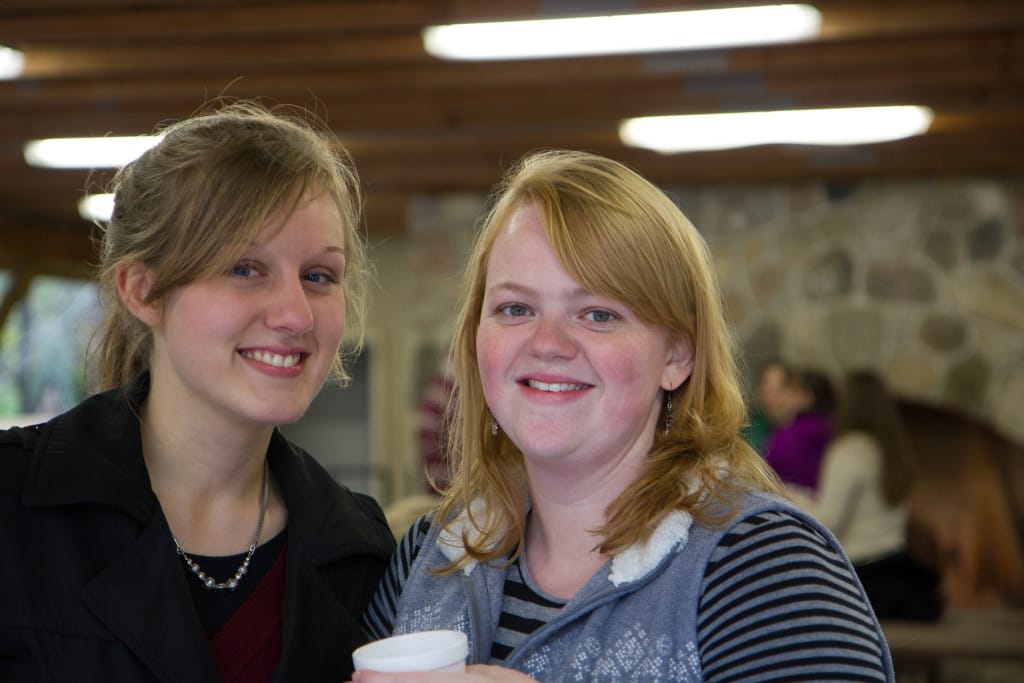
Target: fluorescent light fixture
845,126
617,34
96,207
107,152
12,62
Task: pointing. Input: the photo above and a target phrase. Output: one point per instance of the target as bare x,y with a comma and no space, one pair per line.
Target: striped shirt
524,609
777,604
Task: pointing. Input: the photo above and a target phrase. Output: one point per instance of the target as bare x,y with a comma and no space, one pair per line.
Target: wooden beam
218,21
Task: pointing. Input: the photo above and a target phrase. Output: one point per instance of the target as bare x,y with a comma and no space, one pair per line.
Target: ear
133,284
679,365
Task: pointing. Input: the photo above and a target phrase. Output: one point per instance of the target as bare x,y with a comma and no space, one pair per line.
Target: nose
288,309
552,338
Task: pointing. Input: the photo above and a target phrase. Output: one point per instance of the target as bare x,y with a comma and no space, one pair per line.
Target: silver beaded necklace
231,584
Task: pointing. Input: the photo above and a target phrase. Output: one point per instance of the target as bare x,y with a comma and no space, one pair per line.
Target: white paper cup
421,651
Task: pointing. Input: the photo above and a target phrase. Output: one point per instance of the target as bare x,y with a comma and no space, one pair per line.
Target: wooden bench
982,635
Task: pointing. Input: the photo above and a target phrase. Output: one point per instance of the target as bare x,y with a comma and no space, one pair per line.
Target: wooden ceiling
419,125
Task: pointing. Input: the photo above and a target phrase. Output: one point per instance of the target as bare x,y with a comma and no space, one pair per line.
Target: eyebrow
326,250
575,293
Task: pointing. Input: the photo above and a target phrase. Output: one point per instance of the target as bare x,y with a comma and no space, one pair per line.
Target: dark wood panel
419,125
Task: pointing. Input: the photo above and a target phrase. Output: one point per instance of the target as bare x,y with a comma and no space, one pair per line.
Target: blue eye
320,278
514,310
600,316
242,270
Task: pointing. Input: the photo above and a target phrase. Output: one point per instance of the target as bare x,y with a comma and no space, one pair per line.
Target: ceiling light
107,152
11,63
96,207
617,34
846,126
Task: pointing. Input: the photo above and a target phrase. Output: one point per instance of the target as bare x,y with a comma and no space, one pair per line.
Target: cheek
330,319
491,360
202,311
634,369
485,353
624,365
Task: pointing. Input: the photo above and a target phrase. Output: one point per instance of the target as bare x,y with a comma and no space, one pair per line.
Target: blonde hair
620,237
189,207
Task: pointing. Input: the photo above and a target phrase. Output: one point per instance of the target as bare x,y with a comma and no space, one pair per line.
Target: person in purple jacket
796,447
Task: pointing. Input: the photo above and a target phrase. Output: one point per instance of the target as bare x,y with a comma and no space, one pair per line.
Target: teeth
544,386
275,359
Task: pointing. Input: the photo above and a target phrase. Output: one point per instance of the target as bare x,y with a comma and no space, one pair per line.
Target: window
43,346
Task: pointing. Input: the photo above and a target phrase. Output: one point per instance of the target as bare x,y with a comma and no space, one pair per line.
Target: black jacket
91,588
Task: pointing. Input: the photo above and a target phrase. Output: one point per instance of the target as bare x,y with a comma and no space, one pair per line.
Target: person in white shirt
863,497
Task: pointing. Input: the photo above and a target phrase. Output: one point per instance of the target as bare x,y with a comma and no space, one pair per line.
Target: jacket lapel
312,614
93,455
143,600
322,529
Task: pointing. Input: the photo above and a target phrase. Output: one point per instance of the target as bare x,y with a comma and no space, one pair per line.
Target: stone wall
921,280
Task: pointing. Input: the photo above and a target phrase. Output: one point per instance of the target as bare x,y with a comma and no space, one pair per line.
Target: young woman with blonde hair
606,520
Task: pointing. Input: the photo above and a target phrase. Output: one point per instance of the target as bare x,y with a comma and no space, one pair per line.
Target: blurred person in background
863,496
767,408
803,411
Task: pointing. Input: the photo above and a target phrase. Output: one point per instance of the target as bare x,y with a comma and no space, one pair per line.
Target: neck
561,538
199,453
571,499
209,481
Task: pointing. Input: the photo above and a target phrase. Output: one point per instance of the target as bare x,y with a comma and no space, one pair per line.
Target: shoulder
782,551
779,595
855,440
413,540
748,519
778,527
20,438
855,448
779,557
19,444
760,519
333,517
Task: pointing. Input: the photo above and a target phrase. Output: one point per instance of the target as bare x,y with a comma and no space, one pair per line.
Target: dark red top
248,647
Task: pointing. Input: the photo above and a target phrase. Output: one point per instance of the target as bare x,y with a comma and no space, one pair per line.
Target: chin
290,416
284,408
277,415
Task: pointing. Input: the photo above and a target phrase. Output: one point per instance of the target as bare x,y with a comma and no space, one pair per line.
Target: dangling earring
494,426
669,416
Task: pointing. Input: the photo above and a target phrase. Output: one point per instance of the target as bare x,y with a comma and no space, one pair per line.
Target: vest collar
640,559
632,564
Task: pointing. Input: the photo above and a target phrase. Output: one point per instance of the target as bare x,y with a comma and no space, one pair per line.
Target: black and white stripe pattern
779,604
523,610
379,618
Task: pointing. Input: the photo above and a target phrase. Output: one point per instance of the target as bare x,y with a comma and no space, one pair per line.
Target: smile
555,387
276,359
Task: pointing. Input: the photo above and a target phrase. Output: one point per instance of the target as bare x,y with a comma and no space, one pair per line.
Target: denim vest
634,620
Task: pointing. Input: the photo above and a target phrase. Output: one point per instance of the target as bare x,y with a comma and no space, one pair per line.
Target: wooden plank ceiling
419,125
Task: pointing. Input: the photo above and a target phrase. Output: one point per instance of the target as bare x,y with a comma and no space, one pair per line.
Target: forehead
313,214
523,219
521,231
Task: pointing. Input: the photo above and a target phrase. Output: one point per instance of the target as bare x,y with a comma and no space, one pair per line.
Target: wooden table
920,649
